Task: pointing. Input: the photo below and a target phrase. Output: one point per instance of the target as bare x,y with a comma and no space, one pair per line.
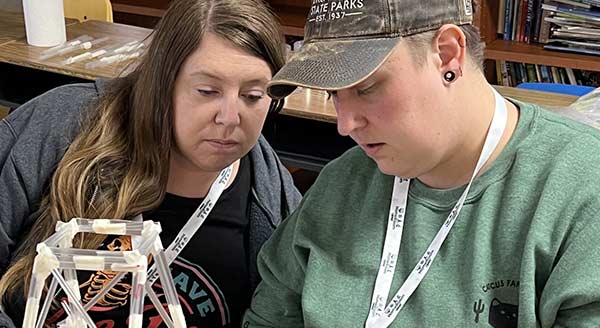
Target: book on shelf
529,20
574,3
531,72
501,16
570,74
516,33
537,18
545,27
508,10
581,13
513,73
578,50
522,21
570,23
573,43
595,3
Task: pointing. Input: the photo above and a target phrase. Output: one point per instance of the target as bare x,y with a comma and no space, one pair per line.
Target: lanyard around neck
195,221
380,314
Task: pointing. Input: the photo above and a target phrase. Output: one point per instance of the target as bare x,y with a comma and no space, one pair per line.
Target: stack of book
573,27
512,74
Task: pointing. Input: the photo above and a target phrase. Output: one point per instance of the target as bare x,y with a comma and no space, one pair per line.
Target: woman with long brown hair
152,143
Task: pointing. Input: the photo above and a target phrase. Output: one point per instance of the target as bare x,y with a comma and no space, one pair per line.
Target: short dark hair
418,43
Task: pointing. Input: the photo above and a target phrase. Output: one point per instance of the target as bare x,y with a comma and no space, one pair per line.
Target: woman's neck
191,182
457,169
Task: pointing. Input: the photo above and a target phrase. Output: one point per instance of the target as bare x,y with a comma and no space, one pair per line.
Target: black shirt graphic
210,274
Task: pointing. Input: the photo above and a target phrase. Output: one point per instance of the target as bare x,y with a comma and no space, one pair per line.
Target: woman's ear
450,47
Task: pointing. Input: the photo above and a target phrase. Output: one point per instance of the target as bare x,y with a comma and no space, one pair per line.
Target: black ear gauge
450,76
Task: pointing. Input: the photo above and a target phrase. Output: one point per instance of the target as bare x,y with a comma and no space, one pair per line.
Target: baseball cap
345,41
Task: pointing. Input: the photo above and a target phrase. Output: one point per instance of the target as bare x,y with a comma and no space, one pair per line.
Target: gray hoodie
35,137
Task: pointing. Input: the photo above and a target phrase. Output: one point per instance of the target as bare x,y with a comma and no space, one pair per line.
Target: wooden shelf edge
293,30
536,54
542,98
138,10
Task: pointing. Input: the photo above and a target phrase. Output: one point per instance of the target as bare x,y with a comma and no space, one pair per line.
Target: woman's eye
365,90
207,92
253,97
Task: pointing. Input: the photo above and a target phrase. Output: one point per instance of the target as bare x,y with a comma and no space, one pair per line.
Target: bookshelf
498,49
146,13
292,14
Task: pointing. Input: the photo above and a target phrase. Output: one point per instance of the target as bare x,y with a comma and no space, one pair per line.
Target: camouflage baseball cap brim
331,65
346,41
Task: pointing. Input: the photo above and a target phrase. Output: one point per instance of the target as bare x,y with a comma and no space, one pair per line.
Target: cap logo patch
468,8
327,10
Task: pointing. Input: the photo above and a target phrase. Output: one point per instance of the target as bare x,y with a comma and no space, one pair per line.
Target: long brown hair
117,166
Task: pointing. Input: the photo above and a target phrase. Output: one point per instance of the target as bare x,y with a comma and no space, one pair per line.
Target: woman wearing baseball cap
457,208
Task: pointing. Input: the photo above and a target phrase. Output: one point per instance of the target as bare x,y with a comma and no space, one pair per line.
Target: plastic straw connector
69,230
135,262
107,227
90,263
45,261
151,229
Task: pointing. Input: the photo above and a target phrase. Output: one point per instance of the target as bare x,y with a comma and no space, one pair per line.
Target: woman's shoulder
57,107
67,98
46,123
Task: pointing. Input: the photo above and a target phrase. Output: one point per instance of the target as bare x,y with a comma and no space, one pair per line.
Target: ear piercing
449,76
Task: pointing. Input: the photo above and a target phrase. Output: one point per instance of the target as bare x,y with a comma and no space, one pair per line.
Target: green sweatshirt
525,248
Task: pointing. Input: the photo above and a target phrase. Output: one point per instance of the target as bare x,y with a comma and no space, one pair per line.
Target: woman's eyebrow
218,77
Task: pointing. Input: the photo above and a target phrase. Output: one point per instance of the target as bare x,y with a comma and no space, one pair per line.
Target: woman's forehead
220,59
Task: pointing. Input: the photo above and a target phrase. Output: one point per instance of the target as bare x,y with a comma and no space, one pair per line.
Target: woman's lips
222,143
371,149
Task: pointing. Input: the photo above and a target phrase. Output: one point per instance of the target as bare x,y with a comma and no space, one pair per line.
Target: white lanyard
195,221
380,314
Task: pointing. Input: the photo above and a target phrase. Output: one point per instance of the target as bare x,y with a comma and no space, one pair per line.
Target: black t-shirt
210,274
